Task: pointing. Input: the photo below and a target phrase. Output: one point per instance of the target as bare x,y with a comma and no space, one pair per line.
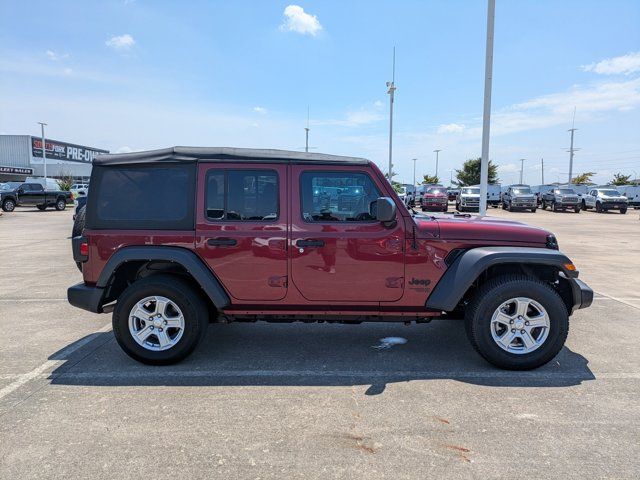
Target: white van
494,191
632,192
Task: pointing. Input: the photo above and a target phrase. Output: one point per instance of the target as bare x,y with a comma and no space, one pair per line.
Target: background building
21,157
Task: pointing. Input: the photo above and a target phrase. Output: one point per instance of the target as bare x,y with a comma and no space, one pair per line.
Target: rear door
241,229
339,251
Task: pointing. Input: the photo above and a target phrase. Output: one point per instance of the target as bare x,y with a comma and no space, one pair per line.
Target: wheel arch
474,267
132,263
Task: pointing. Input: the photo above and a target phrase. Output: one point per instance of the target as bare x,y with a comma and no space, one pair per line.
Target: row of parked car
573,198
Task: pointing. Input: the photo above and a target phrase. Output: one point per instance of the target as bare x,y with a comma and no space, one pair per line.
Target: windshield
610,193
435,191
471,191
521,190
565,191
10,185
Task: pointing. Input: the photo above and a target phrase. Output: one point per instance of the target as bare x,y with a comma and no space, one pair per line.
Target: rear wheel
159,320
576,209
623,210
517,322
61,204
41,207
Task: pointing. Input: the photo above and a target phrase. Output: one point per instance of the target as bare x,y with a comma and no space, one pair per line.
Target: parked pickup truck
177,238
605,199
561,199
32,195
519,197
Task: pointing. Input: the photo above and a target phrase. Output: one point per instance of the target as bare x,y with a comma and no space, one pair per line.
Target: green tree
65,180
583,177
620,179
430,180
397,186
469,174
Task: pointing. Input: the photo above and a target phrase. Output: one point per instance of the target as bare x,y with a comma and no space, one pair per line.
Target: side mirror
21,190
385,210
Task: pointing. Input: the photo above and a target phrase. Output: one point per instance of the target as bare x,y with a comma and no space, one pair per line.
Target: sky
129,75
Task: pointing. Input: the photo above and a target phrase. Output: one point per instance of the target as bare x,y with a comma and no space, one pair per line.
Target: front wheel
623,210
159,320
544,205
576,209
517,322
599,208
8,205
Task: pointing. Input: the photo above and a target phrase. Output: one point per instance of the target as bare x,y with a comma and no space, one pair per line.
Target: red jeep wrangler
180,237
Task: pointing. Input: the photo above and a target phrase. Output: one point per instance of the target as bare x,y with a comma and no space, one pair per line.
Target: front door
241,230
339,251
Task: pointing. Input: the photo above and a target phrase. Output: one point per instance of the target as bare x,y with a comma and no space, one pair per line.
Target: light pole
521,169
391,91
486,114
437,151
306,134
414,171
44,154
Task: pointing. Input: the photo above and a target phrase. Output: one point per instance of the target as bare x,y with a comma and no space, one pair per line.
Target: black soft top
225,154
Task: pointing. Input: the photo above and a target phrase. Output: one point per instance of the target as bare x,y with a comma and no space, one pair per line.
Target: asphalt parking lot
315,401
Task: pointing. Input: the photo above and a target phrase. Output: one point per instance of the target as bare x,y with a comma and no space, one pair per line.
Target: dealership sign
16,170
64,151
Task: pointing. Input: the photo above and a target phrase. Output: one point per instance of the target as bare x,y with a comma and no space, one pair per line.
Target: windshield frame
470,191
605,192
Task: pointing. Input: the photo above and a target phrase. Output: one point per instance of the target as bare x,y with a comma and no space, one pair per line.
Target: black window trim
338,222
225,171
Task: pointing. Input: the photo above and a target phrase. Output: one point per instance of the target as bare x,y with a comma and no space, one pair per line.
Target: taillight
72,197
84,249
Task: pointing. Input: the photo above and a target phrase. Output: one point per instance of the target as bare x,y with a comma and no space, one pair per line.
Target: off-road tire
576,209
500,289
8,205
623,211
599,208
194,309
533,210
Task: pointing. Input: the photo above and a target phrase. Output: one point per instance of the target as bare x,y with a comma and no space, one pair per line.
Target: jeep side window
242,195
338,197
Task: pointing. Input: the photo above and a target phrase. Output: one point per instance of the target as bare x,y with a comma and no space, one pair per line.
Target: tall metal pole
542,169
306,134
571,150
44,154
437,152
414,171
521,169
486,115
391,92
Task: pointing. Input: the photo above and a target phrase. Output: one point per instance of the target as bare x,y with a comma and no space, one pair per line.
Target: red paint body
435,199
364,268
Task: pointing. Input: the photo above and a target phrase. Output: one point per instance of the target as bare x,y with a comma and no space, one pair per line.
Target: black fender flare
468,266
182,256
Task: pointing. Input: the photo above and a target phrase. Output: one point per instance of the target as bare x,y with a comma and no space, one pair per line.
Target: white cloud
297,20
509,168
121,42
260,110
378,104
624,64
51,55
451,128
124,149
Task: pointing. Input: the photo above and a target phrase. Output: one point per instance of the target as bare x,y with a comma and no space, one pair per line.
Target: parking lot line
50,364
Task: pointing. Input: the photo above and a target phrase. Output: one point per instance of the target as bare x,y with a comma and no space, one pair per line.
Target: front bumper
614,205
582,294
86,297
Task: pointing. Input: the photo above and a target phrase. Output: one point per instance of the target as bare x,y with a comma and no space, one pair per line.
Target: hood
492,229
617,198
470,195
435,195
524,195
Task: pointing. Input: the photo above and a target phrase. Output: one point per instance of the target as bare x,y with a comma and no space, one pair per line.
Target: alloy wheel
156,323
520,325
